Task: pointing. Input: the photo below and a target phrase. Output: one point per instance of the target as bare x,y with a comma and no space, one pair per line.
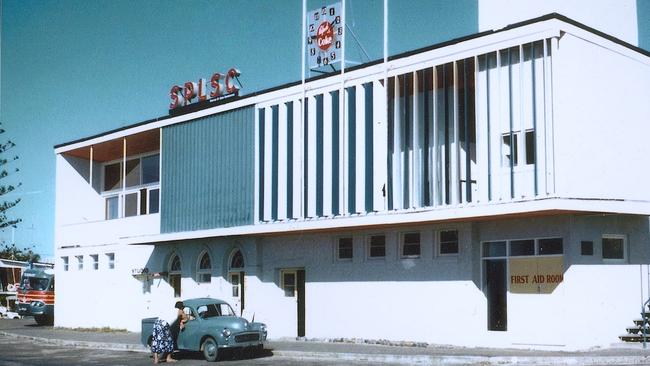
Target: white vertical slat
257,183
550,140
282,161
398,200
360,158
416,159
297,160
455,146
311,157
540,128
434,160
496,128
327,154
443,137
268,163
482,121
379,147
343,148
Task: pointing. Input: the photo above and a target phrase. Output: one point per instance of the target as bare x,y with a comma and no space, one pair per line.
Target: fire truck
36,295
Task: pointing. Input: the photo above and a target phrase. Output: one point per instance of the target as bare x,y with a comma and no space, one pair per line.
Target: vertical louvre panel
360,149
274,161
298,157
282,162
319,155
336,148
209,169
369,146
327,154
288,107
268,164
381,155
260,161
351,149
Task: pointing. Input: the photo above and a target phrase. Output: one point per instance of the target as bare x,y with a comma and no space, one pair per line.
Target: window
522,247
64,260
344,249
550,246
509,149
613,248
494,249
110,257
175,274
288,283
140,193
377,246
112,176
112,207
204,271
448,240
80,262
586,247
95,261
410,245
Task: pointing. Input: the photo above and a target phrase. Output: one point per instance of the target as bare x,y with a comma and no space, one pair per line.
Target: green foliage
12,252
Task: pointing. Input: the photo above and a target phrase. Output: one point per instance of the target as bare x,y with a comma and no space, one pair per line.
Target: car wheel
210,349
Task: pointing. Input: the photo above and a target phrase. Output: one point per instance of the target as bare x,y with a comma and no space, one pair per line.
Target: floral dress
162,337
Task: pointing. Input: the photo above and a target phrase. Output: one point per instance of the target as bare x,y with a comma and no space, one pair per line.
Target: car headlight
226,332
37,303
263,328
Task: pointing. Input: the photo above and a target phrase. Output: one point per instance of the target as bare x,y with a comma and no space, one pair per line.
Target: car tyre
210,349
44,319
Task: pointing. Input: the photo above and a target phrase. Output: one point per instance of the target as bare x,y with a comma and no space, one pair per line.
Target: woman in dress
162,342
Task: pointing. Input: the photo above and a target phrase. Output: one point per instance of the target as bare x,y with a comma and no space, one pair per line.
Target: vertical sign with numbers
324,35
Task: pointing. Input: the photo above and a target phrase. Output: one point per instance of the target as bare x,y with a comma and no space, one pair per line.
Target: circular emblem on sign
325,35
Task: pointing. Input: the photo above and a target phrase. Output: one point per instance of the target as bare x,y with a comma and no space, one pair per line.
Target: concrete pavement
342,350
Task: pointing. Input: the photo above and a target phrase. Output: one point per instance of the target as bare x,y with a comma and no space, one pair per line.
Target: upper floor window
64,260
80,262
138,182
515,154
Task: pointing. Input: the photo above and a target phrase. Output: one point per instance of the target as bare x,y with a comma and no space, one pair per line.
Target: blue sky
74,68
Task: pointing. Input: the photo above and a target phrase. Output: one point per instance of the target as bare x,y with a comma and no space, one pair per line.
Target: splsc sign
220,86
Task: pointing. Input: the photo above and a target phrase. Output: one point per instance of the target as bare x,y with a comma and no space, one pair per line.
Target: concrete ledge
81,344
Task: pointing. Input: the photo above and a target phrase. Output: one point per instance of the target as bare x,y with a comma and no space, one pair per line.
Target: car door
189,337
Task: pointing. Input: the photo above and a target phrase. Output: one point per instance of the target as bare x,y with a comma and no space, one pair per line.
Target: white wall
76,200
601,121
615,17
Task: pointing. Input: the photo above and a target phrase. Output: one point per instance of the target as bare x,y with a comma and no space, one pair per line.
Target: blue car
213,326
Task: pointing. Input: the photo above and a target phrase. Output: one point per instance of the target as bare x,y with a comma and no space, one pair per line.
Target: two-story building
489,190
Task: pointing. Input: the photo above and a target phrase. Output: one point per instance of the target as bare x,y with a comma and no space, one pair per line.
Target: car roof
202,301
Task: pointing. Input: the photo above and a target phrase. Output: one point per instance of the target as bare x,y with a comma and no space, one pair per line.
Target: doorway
236,277
293,284
495,288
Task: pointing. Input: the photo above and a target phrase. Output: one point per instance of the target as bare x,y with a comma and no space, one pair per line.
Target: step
634,338
638,322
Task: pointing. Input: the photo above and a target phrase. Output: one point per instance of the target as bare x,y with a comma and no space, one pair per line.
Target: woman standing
162,342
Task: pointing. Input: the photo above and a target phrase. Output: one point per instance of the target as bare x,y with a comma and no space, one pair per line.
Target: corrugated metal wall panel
208,172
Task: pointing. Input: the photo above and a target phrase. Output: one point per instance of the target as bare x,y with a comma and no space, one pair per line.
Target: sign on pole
324,36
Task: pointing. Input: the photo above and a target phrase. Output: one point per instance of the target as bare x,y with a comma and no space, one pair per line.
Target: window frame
369,247
402,245
337,249
176,274
625,248
80,262
110,260
94,261
283,285
439,240
65,261
202,272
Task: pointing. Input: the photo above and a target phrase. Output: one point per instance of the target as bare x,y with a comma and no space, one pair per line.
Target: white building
487,191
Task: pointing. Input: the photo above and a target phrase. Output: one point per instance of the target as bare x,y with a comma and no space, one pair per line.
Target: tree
10,251
5,148
14,253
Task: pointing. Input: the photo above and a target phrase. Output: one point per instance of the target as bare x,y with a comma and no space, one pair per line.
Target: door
496,293
236,280
300,294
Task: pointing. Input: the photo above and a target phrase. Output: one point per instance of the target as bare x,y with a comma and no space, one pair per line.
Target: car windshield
33,283
214,310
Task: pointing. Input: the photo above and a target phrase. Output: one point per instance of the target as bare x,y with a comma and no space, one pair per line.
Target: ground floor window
410,245
377,246
448,242
614,248
344,249
288,282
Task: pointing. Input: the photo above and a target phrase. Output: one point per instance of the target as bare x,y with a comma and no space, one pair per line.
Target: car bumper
248,339
29,309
